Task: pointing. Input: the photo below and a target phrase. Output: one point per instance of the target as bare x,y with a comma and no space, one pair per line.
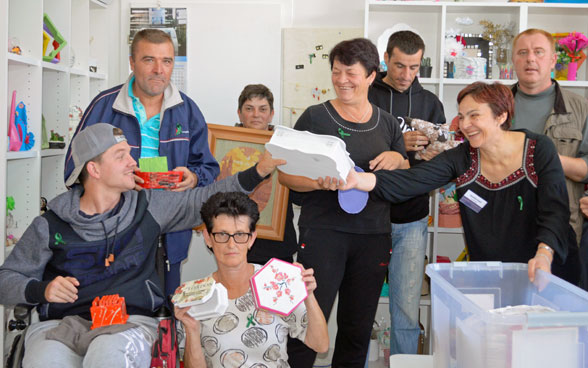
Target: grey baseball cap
89,143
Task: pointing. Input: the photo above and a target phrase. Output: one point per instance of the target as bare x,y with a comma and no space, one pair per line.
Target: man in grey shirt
543,107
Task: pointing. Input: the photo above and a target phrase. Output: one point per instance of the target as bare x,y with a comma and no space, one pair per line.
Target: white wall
295,13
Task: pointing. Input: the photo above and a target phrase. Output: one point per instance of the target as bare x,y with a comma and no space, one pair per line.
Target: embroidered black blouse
527,207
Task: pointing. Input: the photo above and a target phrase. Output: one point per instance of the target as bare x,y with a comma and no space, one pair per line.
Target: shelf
429,80
453,81
97,75
19,59
52,152
579,84
19,155
77,71
55,67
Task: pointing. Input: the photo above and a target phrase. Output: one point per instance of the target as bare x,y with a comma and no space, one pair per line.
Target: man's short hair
256,90
84,173
232,204
151,35
357,50
407,42
532,31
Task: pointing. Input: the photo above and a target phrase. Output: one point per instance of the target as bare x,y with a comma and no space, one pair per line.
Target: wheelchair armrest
22,317
23,311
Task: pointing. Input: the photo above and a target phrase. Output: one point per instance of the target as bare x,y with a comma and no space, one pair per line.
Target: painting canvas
237,149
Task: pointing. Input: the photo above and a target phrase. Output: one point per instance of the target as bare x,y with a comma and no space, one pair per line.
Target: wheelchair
23,316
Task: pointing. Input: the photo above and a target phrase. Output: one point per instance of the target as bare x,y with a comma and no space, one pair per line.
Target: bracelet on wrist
547,248
543,255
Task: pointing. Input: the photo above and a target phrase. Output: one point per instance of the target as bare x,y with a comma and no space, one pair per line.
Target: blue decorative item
27,138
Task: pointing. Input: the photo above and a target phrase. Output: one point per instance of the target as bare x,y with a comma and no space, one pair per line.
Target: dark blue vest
131,275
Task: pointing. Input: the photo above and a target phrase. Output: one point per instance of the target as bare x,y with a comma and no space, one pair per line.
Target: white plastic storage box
466,334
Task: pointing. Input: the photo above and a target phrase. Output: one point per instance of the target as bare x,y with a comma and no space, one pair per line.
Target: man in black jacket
399,92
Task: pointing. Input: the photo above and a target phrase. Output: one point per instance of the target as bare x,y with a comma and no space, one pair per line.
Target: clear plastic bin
466,334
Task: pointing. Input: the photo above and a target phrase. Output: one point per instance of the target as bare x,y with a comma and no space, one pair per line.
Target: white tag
473,201
119,138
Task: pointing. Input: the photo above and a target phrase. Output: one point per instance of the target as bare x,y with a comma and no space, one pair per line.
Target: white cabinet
48,90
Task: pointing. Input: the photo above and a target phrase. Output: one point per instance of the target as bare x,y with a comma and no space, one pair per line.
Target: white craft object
470,68
207,298
311,155
278,287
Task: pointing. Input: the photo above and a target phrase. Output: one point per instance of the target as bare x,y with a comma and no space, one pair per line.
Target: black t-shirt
320,208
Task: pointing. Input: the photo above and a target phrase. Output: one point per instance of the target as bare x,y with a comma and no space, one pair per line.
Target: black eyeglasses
239,238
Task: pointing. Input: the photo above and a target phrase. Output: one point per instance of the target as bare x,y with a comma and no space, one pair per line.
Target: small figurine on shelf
426,68
43,205
50,31
56,140
501,36
75,115
20,118
13,46
44,137
10,223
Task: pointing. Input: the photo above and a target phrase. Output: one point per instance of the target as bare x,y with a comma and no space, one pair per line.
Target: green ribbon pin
178,129
59,239
250,321
342,133
520,202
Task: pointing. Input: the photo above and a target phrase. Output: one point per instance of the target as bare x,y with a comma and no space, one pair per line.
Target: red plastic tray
160,180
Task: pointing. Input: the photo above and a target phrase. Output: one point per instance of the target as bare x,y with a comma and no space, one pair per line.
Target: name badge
473,201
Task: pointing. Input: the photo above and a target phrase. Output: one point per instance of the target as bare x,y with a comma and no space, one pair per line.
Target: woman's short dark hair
256,90
498,97
232,204
356,50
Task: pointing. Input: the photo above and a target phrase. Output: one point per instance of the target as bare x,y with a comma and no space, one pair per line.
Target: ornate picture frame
237,149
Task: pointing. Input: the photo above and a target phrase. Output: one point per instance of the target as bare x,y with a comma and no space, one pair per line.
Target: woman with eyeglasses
245,336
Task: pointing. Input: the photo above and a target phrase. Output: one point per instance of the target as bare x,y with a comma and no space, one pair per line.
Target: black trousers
354,265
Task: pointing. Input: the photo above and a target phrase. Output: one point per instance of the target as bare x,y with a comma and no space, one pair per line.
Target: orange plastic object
108,310
160,180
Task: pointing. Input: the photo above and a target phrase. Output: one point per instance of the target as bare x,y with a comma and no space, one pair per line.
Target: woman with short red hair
510,184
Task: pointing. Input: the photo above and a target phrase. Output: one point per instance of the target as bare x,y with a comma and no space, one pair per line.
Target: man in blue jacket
158,120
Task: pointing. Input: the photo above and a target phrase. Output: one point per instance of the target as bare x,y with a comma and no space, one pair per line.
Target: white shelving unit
48,90
432,20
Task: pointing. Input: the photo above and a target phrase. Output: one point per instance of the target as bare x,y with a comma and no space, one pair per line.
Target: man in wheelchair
100,238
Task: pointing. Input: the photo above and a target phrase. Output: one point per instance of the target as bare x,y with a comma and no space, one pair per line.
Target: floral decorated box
207,298
278,287
194,292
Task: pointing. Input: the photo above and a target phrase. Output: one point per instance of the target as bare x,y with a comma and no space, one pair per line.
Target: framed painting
237,149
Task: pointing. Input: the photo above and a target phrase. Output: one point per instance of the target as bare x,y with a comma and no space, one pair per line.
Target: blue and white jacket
183,139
